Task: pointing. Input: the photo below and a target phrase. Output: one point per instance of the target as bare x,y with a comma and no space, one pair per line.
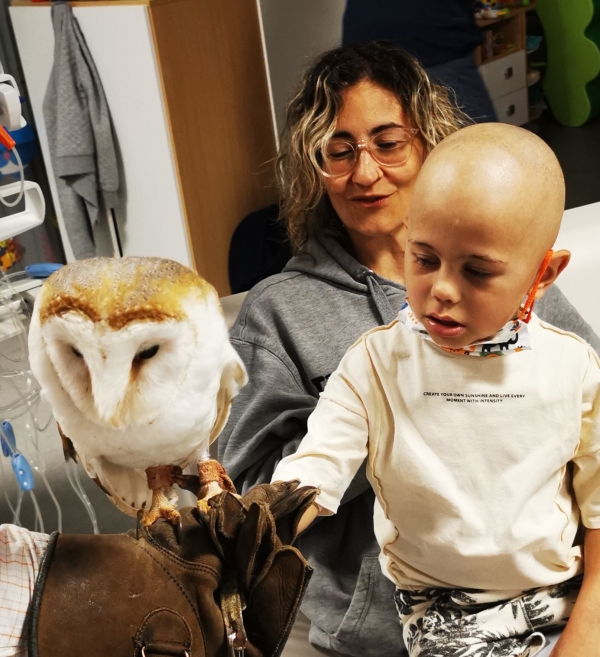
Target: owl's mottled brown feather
130,289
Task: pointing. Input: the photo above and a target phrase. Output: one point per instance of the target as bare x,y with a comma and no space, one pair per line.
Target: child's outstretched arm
336,443
581,636
309,515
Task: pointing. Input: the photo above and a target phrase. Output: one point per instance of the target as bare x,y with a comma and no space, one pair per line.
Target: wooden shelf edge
81,3
486,22
169,122
500,56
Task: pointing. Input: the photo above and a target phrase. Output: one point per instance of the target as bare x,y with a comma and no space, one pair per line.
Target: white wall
580,234
296,32
151,219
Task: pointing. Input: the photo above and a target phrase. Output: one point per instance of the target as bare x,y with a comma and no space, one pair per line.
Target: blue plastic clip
7,438
18,462
42,269
22,471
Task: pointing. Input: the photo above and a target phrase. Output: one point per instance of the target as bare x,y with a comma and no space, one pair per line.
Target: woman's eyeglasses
389,148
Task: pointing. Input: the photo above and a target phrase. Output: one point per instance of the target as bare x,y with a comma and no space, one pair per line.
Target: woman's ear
558,261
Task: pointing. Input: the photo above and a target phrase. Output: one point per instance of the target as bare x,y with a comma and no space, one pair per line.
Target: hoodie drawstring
382,303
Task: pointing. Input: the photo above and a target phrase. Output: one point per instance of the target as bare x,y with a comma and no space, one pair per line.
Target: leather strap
163,632
231,607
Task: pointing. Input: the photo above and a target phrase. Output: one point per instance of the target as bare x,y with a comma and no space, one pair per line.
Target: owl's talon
161,508
212,480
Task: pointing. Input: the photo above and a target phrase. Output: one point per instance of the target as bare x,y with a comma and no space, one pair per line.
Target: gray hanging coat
80,135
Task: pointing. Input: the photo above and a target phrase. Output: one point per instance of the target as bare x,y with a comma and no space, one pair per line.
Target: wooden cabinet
187,87
502,63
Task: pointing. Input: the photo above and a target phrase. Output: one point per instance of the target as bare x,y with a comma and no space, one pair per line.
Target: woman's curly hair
311,116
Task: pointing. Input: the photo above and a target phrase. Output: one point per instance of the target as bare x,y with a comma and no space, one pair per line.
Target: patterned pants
471,623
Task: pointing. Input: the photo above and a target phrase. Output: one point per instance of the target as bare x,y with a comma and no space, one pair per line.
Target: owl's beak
110,384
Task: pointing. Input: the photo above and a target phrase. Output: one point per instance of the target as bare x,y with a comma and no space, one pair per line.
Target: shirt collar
512,337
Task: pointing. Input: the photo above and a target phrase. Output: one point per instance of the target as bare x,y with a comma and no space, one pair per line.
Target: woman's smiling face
372,201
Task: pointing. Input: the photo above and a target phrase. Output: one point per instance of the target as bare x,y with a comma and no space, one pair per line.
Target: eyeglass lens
388,148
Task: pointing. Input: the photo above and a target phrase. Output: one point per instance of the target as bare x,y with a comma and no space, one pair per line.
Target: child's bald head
485,209
511,175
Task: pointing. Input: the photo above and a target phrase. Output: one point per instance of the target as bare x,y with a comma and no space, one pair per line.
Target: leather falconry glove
252,535
227,583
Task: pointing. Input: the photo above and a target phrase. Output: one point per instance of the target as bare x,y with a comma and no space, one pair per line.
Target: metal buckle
234,652
185,652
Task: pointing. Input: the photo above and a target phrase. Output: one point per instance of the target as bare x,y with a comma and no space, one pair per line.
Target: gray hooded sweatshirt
291,333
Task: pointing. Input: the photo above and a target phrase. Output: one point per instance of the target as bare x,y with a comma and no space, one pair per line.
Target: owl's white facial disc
120,377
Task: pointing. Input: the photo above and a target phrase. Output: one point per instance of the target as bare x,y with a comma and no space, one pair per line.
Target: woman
358,130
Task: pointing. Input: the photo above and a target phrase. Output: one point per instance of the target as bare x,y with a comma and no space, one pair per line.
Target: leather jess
227,583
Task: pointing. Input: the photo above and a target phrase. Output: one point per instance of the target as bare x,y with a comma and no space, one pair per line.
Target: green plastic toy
572,81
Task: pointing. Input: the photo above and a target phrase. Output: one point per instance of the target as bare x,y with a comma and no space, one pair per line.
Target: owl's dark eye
147,353
77,352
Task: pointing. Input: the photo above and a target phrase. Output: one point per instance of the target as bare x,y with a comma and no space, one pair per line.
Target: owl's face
120,377
127,359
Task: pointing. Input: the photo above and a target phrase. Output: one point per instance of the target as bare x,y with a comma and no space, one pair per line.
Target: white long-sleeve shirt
482,467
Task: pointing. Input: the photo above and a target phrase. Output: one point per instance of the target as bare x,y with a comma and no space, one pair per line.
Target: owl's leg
160,508
160,478
213,480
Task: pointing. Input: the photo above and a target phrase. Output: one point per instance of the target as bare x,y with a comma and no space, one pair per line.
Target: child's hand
584,644
581,636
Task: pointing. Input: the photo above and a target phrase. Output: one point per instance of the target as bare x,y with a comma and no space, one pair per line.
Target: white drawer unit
513,108
505,75
506,82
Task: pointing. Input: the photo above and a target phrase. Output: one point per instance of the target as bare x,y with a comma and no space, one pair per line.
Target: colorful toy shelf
507,30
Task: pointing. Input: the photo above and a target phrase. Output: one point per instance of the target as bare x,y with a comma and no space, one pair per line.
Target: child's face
467,268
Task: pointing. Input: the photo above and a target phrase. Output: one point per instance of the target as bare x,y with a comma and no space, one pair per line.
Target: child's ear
558,261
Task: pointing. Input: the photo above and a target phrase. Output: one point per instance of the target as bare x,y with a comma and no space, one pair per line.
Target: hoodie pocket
361,601
370,627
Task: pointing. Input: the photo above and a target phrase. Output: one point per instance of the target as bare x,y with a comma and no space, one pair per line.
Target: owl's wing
233,377
126,488
67,445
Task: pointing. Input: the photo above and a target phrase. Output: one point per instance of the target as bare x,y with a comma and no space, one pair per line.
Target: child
480,430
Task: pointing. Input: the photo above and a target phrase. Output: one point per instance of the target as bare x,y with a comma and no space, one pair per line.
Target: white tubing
74,480
13,203
17,514
56,503
10,506
39,523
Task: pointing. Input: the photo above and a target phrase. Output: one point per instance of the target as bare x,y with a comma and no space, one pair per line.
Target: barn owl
134,357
